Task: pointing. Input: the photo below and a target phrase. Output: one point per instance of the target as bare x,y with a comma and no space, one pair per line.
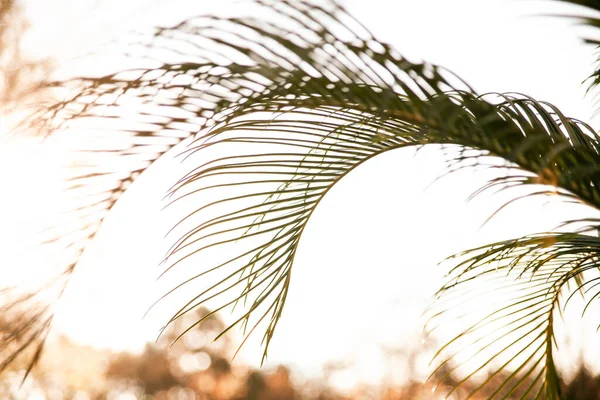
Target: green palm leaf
281,111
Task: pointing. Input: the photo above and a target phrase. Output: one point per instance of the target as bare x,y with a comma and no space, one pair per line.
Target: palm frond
529,278
281,111
139,114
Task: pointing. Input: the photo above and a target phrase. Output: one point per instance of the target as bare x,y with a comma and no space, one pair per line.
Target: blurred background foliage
18,72
195,367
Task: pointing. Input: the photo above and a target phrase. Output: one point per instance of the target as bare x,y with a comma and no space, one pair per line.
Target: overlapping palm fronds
277,111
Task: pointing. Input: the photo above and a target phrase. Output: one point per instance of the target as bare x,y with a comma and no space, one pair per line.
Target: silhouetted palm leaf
281,111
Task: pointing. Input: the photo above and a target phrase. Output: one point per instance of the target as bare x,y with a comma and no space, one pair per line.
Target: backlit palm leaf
529,277
277,113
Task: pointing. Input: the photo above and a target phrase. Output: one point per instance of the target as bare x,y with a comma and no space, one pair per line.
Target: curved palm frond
139,114
279,113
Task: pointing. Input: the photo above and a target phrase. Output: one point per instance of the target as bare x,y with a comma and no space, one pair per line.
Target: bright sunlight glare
373,233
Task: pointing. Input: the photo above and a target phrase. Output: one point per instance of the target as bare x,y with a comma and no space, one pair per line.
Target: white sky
379,228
